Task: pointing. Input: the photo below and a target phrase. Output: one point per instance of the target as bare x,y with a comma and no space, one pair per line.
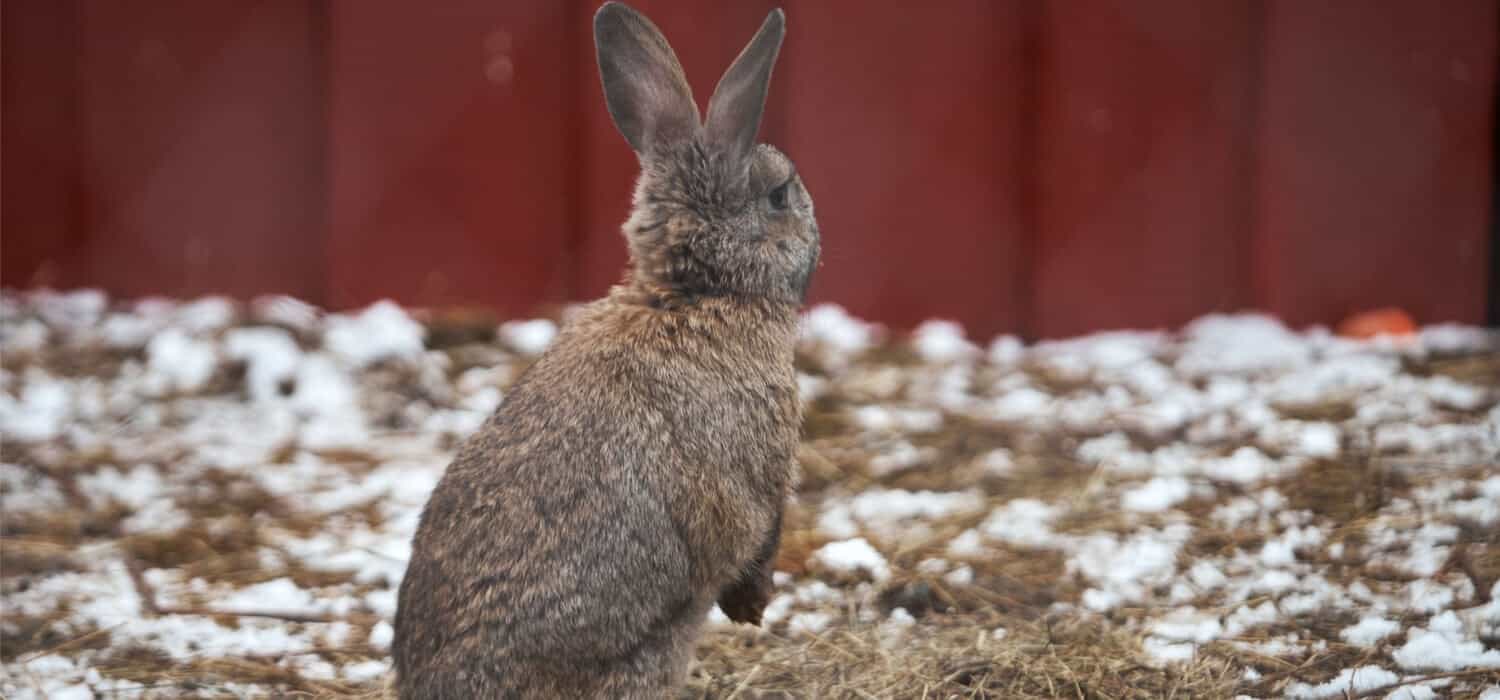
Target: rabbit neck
763,321
640,291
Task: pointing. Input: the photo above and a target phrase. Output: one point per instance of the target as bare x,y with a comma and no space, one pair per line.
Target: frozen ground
209,500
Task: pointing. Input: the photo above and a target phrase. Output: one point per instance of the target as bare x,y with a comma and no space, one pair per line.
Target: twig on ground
286,616
69,644
148,604
143,589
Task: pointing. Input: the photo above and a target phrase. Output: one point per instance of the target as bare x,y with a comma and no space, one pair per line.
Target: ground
205,499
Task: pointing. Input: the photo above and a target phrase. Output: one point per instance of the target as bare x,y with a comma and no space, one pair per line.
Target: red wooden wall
1374,168
1041,166
157,148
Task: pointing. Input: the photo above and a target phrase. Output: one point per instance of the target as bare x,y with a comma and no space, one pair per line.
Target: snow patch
853,556
382,331
529,337
1349,682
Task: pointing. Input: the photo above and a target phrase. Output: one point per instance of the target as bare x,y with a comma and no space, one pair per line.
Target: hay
948,656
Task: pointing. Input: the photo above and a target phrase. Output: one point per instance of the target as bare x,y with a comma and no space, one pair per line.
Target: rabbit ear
647,93
735,109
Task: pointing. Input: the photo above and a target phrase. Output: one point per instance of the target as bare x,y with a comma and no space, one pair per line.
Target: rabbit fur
637,472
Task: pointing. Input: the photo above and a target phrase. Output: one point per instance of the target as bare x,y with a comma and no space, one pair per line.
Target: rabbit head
715,213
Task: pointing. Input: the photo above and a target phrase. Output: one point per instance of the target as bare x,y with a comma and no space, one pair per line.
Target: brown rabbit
637,472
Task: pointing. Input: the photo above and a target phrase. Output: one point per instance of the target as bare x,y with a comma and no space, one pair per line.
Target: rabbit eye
777,197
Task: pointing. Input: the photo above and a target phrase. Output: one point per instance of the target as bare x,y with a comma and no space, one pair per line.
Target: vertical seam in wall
322,38
576,236
1252,276
1492,283
1027,166
74,259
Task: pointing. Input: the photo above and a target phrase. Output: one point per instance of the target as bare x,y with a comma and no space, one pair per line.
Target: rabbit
637,472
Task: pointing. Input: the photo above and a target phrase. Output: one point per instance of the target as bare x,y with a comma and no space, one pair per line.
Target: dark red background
1047,167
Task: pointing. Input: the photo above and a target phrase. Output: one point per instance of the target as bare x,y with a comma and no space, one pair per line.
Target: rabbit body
636,473
578,539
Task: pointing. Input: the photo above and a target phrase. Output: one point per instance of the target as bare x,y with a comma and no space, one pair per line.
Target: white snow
809,623
1246,465
381,331
271,357
890,510
1419,691
998,462
1022,404
1426,596
179,362
1163,651
381,635
1442,646
1451,338
1187,624
853,556
1157,494
126,331
1248,617
1239,344
277,595
942,341
327,396
899,456
70,310
1128,567
961,576
1023,521
1206,576
1006,350
968,543
39,414
205,315
287,311
1482,510
26,336
882,418
837,521
1369,630
1308,439
1350,681
879,506
529,337
832,327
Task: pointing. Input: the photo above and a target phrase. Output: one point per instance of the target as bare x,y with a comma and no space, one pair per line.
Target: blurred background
1034,167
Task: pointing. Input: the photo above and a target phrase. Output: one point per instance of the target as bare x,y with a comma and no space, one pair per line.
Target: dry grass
950,656
1482,369
1345,489
1050,648
48,632
212,677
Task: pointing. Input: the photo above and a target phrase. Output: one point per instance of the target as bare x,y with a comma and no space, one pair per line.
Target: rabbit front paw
745,600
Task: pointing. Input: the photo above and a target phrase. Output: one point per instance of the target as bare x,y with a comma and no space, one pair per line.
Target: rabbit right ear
644,86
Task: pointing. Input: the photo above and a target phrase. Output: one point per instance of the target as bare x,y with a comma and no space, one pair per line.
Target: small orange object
1368,324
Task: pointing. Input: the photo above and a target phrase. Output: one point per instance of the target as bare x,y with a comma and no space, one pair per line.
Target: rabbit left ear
735,109
647,95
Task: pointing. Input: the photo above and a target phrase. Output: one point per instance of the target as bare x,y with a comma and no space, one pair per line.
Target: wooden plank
1144,123
200,143
451,155
910,128
706,38
1375,156
39,227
